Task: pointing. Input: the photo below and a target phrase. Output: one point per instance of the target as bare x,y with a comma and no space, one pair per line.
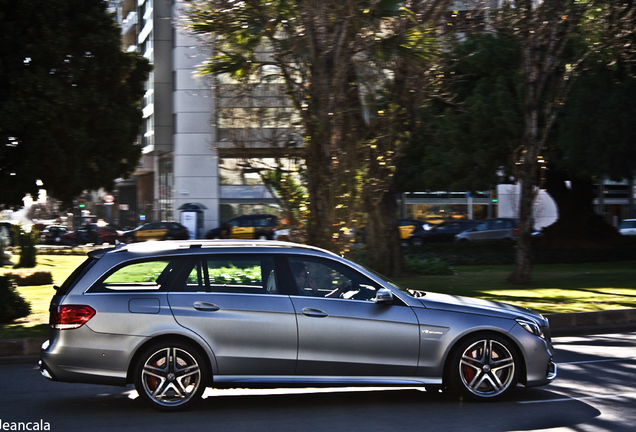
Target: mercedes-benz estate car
175,317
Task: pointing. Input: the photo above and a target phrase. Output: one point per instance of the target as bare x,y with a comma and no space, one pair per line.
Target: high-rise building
187,156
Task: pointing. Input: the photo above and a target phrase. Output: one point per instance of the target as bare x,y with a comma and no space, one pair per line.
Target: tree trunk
522,273
319,185
384,252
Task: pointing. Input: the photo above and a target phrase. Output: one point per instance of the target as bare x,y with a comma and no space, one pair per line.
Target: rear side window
140,276
240,275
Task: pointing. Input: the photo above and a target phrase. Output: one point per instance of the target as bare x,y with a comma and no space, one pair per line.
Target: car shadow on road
350,409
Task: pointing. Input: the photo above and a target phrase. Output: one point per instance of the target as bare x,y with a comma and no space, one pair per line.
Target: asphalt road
595,391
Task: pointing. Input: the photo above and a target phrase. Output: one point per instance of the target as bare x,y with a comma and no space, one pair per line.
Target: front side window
482,226
322,278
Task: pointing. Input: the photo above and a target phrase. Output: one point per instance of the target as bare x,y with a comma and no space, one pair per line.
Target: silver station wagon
175,317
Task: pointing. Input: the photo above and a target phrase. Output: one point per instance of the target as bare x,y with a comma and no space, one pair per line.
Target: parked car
52,234
491,229
246,227
627,227
91,233
156,231
175,317
444,232
408,226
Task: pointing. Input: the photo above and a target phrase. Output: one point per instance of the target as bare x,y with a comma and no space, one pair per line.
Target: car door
481,231
234,303
152,231
341,332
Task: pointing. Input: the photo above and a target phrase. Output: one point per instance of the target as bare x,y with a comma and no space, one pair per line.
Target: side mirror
384,296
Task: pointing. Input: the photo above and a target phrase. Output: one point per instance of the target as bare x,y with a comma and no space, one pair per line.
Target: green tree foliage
69,99
352,72
292,195
464,140
464,145
596,134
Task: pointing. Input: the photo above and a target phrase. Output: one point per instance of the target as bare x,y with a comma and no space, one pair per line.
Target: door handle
316,313
205,306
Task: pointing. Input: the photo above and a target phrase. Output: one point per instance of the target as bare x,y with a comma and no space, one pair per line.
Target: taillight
515,232
68,317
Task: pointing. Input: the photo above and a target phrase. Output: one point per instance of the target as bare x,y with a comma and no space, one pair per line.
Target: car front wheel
485,367
170,376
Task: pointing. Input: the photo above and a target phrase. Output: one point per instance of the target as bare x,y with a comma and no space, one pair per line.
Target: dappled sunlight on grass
556,288
560,301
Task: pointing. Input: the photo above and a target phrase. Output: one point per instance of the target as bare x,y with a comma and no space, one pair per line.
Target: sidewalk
566,324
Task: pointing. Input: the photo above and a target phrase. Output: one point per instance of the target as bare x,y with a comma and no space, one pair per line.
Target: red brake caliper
469,373
152,381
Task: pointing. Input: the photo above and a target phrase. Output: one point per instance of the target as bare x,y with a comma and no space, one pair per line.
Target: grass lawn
555,288
36,324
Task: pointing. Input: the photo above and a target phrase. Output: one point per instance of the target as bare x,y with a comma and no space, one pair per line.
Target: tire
170,376
485,367
416,241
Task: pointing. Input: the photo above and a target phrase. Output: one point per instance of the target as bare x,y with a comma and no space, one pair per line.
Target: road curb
563,324
20,347
581,323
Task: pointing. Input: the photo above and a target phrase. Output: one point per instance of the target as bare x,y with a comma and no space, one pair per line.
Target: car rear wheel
416,241
485,367
170,376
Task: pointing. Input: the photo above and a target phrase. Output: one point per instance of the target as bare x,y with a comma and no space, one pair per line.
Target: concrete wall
196,174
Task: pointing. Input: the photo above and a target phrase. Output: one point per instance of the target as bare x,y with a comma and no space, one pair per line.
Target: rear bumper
95,358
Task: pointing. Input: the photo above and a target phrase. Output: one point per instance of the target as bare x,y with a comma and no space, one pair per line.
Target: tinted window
323,278
628,224
248,274
500,224
482,226
147,275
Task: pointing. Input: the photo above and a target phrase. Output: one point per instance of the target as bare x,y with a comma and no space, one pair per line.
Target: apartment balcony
129,22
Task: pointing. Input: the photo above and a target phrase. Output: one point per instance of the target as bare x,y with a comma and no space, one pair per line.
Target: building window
165,194
247,172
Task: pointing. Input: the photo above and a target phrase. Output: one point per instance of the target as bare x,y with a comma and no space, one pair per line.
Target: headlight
531,326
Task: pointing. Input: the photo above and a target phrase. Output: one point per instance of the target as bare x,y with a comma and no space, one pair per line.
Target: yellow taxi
157,231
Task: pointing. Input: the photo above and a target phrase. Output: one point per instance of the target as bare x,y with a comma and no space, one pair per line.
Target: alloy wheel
486,369
170,378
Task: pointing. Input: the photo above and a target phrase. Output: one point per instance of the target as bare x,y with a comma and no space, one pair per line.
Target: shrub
12,304
427,266
30,277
